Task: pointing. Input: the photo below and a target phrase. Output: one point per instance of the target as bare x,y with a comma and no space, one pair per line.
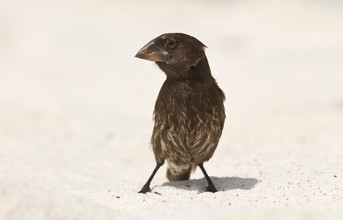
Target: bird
189,112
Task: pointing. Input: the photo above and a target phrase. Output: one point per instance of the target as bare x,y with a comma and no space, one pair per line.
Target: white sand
76,110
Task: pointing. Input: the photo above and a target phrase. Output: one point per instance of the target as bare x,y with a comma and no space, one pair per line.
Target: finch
189,113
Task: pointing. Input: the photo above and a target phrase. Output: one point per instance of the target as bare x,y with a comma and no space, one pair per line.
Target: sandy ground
76,110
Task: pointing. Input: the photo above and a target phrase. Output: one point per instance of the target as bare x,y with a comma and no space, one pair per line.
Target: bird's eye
171,43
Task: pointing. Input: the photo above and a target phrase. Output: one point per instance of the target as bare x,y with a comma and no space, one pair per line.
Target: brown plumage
189,112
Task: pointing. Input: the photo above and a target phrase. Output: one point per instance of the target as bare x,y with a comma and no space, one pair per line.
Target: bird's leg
146,187
210,187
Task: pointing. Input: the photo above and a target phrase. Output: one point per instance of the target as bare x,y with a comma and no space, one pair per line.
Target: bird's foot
211,188
145,189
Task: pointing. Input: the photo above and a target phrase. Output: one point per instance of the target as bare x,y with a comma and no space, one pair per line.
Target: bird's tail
179,172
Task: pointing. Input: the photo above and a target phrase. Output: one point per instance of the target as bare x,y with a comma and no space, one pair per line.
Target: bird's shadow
221,183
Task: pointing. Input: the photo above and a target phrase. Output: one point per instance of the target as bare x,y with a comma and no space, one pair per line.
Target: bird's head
175,53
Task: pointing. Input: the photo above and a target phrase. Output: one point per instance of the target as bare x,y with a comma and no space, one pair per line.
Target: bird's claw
211,188
145,189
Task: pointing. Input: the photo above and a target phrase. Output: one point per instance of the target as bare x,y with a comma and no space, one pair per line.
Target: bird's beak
151,51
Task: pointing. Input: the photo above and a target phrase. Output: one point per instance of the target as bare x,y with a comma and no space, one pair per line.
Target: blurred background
71,89
76,106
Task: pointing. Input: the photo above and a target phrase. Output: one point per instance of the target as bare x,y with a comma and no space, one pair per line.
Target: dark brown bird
189,112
